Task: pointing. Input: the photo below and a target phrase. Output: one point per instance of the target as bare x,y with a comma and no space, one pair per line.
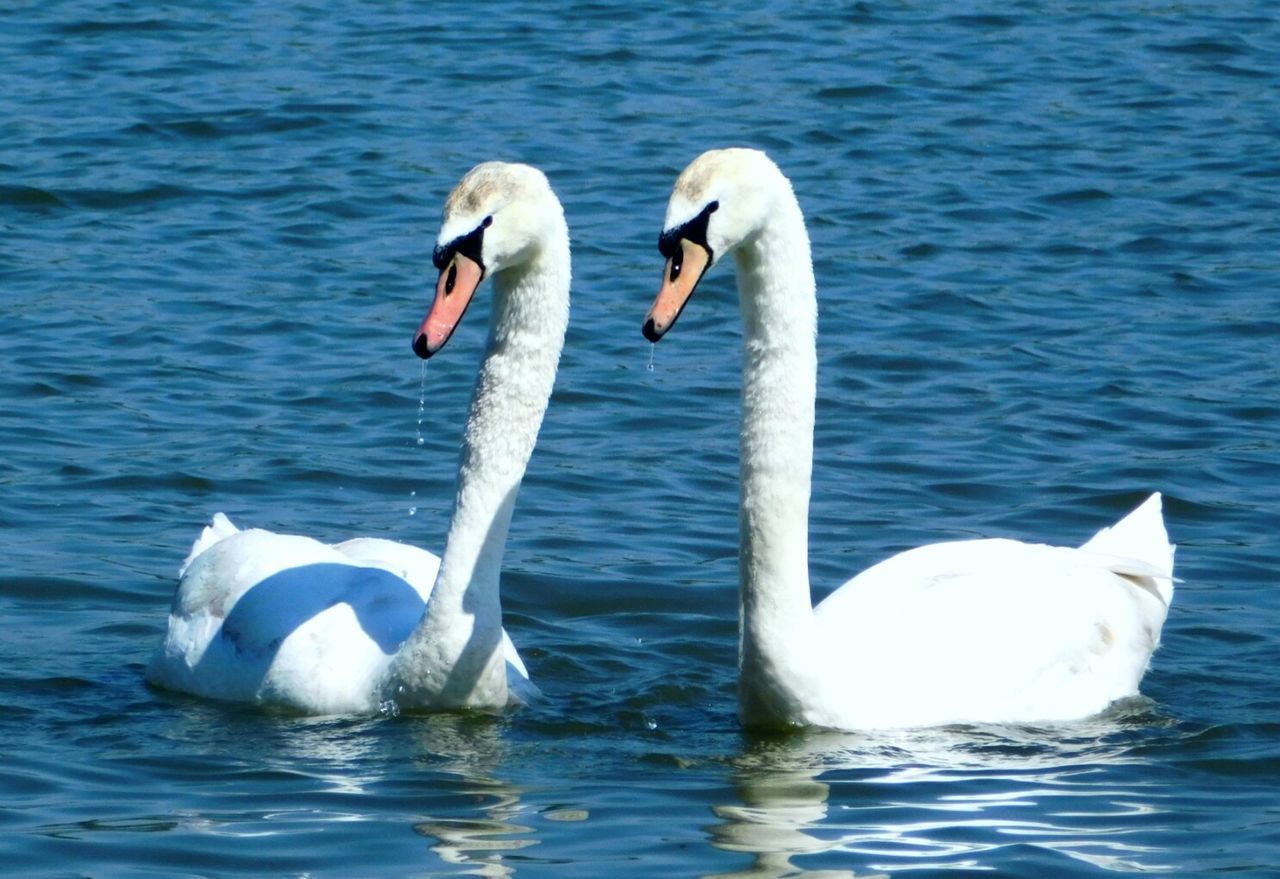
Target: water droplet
422,408
422,400
652,348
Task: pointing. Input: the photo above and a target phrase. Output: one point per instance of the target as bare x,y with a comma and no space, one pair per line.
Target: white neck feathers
777,294
454,657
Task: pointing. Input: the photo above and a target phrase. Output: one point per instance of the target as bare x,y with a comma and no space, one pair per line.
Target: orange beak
455,287
680,276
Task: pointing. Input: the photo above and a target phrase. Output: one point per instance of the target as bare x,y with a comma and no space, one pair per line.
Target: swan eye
453,277
677,261
488,221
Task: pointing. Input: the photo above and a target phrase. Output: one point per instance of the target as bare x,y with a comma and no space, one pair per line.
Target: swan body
355,626
964,631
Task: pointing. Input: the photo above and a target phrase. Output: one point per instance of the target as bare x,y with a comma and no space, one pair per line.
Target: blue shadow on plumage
386,606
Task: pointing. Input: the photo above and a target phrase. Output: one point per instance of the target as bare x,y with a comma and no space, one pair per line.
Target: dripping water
653,347
422,400
418,439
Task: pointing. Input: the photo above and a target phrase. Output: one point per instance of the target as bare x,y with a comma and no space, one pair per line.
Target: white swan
967,631
282,619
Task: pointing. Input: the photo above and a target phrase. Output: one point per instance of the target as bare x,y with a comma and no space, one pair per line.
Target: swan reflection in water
945,799
468,751
450,788
778,809
481,842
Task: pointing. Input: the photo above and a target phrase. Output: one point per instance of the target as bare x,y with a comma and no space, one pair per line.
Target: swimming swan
348,628
964,631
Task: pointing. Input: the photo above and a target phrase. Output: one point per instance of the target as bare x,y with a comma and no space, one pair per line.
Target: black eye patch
470,245
695,230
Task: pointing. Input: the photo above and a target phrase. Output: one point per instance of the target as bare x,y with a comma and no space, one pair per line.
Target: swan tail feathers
219,527
512,657
1140,545
520,690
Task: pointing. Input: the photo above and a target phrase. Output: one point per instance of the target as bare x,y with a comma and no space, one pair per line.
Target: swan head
495,219
720,202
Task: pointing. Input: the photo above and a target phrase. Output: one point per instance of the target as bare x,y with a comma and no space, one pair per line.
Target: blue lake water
1046,247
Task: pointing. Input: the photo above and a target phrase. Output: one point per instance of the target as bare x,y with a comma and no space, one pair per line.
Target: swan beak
680,276
457,283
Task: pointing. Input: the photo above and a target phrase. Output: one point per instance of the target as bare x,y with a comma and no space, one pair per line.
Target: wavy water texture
1045,244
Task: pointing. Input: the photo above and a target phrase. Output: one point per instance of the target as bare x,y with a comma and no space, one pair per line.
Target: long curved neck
454,657
777,293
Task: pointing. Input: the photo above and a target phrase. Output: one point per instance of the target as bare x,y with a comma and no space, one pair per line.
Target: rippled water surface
1046,245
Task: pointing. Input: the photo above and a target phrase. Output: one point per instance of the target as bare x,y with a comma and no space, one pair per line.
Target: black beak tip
420,346
650,331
